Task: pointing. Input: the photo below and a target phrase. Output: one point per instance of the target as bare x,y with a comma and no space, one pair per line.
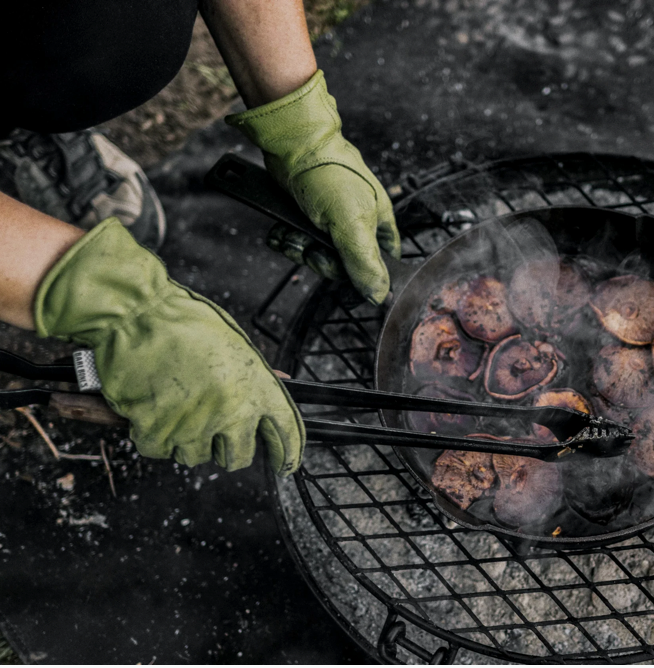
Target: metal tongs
576,431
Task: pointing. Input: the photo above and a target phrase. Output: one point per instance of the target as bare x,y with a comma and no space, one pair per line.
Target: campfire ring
405,582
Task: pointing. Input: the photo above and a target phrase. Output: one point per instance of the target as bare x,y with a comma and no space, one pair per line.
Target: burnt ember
439,348
483,311
516,368
599,489
625,307
622,375
564,398
641,451
530,490
547,293
445,423
463,477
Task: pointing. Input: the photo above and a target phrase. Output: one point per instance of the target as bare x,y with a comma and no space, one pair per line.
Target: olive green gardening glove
304,150
172,362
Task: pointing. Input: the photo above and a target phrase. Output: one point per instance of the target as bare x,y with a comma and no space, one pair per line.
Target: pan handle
253,186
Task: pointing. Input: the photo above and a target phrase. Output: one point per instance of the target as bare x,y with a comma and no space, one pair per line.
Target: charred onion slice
439,348
516,368
565,398
463,476
483,311
622,375
625,307
530,490
547,293
641,450
598,489
446,423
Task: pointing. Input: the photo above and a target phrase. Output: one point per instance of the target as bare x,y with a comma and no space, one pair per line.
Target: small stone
67,482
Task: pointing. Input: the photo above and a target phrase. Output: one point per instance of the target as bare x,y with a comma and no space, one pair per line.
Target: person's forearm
265,44
31,244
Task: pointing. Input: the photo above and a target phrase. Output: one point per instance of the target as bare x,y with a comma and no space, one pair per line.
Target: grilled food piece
483,311
641,451
532,292
463,477
572,293
625,307
516,368
622,375
440,348
442,423
449,295
530,490
547,293
598,489
565,398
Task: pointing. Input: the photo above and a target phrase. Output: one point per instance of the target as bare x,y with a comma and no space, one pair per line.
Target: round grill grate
407,583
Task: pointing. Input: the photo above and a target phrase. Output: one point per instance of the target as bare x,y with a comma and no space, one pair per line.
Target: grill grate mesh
426,588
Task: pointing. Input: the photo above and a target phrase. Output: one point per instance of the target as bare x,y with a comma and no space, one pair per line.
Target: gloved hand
304,150
172,362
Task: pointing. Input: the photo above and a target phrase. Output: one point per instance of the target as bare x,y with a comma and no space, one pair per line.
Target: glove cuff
286,128
100,280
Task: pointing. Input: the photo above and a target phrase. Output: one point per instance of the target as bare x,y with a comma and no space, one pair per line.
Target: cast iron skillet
606,235
603,234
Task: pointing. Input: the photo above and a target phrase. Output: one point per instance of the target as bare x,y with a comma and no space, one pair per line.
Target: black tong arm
573,429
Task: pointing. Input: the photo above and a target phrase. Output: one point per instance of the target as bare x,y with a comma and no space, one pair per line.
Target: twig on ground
107,466
26,411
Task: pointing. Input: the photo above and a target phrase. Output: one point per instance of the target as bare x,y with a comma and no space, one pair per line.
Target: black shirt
70,64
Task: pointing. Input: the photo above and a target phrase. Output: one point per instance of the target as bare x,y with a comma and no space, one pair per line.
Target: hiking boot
81,178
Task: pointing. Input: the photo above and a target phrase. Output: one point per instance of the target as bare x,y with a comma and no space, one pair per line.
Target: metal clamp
393,634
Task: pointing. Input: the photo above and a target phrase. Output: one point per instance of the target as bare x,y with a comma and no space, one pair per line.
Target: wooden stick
107,467
27,412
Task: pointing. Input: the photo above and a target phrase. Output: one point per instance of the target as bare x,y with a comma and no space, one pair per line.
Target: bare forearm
265,44
31,244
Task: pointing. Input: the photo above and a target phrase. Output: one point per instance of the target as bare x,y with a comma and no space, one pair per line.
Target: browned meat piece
442,423
641,451
572,293
625,307
516,368
596,488
463,477
565,398
622,375
547,293
483,311
439,348
448,296
606,409
532,292
530,490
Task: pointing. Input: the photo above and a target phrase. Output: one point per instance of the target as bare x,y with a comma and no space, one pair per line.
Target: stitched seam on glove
328,161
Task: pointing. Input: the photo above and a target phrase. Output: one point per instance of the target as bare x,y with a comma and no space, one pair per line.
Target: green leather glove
304,150
172,362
